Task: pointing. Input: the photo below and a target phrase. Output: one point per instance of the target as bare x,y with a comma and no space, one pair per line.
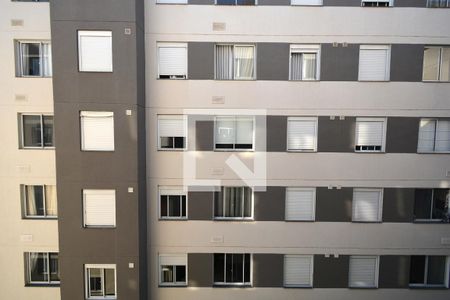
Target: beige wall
22,166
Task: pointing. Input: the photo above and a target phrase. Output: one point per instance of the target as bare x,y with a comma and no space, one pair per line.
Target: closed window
232,269
173,269
235,62
379,3
39,201
370,134
100,281
363,272
432,205
436,64
234,133
434,135
374,62
304,62
235,2
172,132
302,134
172,60
37,131
298,270
42,268
172,202
306,2
95,51
97,131
300,204
234,203
99,207
367,205
429,271
438,3
34,59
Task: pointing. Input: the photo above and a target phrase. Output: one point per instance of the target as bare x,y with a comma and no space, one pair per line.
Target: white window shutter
363,271
300,204
366,205
97,131
99,207
374,63
172,60
369,132
244,132
172,126
173,259
306,2
443,136
302,134
95,51
298,270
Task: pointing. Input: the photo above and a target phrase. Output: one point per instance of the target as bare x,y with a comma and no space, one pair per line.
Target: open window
232,269
234,203
432,205
429,271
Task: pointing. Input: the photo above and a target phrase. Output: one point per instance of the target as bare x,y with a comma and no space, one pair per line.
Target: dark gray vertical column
121,169
339,63
268,270
336,135
398,205
200,269
200,60
201,2
402,134
276,133
331,272
407,62
204,133
410,3
341,2
200,205
272,61
394,272
334,205
269,205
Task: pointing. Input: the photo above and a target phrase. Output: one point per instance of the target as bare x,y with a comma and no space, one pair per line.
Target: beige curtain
50,200
30,200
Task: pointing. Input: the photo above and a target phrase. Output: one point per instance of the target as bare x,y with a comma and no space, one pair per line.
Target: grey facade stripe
204,135
407,62
331,272
339,63
201,2
272,61
394,272
398,205
200,60
200,269
334,205
200,205
270,205
276,133
274,2
268,270
336,135
341,2
410,3
402,134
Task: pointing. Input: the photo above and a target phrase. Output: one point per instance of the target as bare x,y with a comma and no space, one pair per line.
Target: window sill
232,285
301,151
363,287
234,219
303,221
173,219
435,81
298,286
435,152
37,148
234,150
376,152
167,285
172,150
430,222
42,284
40,218
367,222
427,287
99,227
96,72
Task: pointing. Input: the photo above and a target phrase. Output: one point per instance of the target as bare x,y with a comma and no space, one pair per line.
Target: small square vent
218,100
16,22
219,26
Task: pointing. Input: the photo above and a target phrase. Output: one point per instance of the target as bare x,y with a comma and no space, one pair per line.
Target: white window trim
252,208
377,271
28,269
446,276
311,278
99,266
383,146
186,129
41,57
308,48
391,2
436,120
22,135
107,33
171,45
313,189
431,210
235,3
171,3
24,192
316,120
307,5
234,144
234,46
220,283
380,204
175,188
84,209
160,271
388,61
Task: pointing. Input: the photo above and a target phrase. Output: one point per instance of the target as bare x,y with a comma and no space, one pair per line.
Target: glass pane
218,204
35,200
431,64
296,66
47,59
243,62
166,142
445,64
163,206
225,2
233,202
422,204
247,268
245,2
179,142
174,206
32,131
183,206
31,59
219,260
440,204
244,132
229,268
54,267
309,66
237,273
38,267
247,202
167,274
436,270
225,130
110,282
51,207
181,274
417,271
95,282
48,131
224,60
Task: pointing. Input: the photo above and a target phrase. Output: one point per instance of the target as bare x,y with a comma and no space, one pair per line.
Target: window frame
377,271
106,114
439,61
243,218
175,188
380,191
430,220
372,119
314,200
436,121
240,284
321,4
429,4
233,67
103,267
19,61
86,226
99,33
388,48
234,149
173,3
316,128
175,283
305,48
311,275
172,45
49,282
390,3
22,133
235,3
425,275
186,130
24,192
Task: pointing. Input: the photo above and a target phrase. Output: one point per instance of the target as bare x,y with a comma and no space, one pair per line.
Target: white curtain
427,131
309,66
30,201
442,136
225,130
296,66
244,130
445,64
224,62
243,62
431,63
47,60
